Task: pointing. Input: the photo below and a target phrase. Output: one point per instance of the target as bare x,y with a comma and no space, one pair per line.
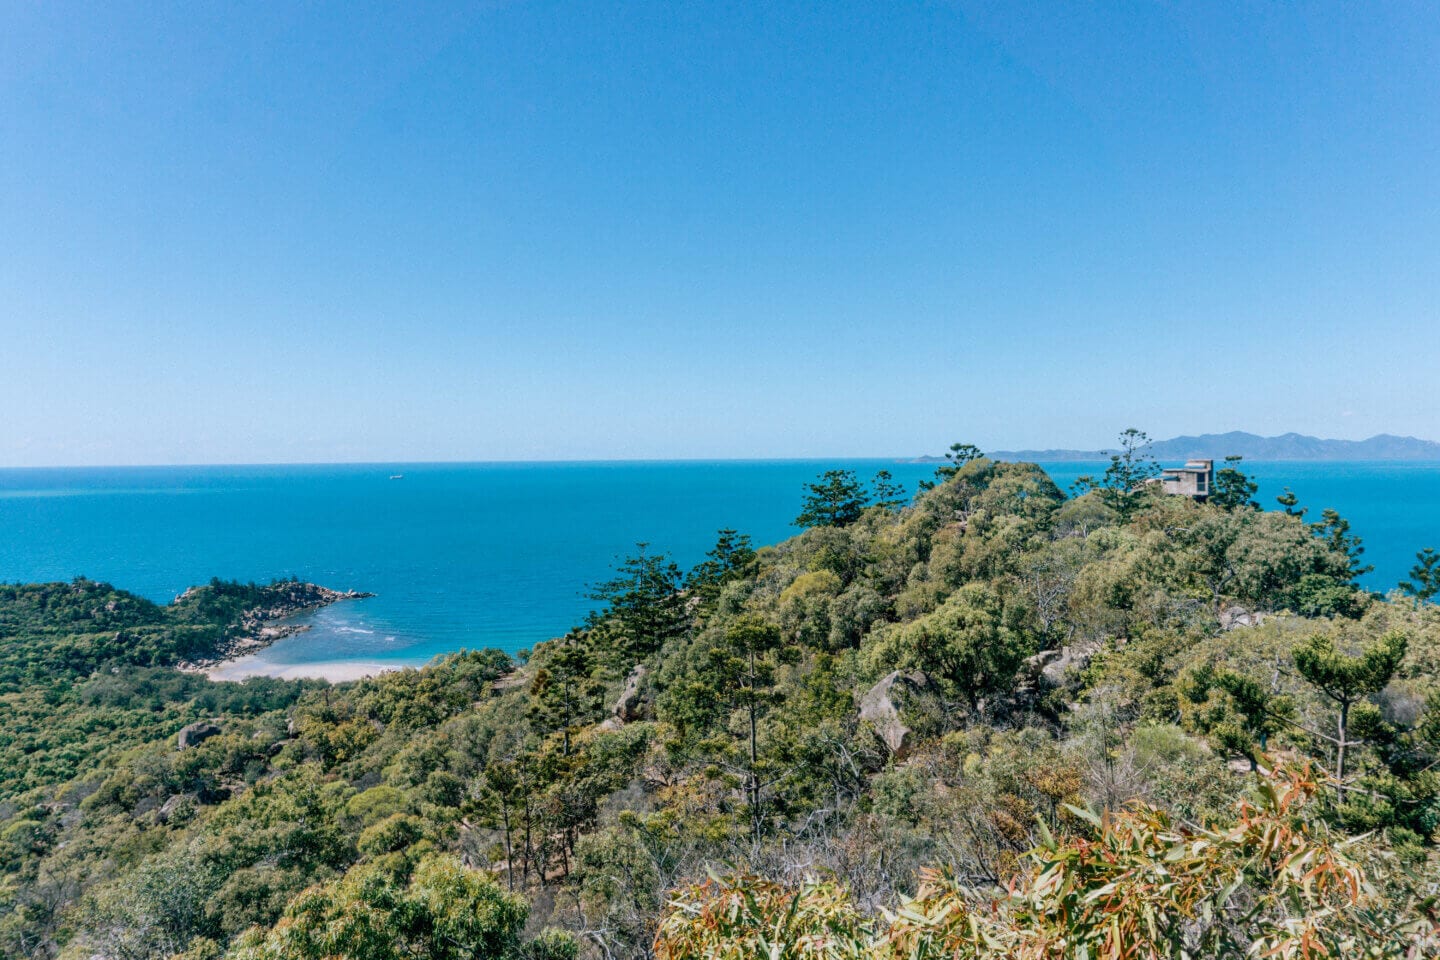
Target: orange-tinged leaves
1270,884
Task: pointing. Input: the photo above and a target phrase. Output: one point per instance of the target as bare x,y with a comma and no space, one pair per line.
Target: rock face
1233,618
882,703
196,732
633,702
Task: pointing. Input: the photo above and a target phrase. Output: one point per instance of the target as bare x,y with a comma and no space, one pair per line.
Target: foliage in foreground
1271,881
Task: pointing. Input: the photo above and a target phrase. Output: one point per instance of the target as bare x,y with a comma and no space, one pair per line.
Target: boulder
179,806
1233,618
1035,665
1069,658
196,732
882,703
632,703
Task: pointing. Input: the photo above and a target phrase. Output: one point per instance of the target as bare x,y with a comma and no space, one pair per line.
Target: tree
1288,501
643,603
1335,531
166,903
1124,482
499,793
965,646
1347,678
444,912
1233,488
836,499
888,493
1424,582
563,694
723,563
1253,712
956,457
518,783
740,670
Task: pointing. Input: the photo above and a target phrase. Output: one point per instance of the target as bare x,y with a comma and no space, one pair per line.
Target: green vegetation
1123,487
1424,582
1118,724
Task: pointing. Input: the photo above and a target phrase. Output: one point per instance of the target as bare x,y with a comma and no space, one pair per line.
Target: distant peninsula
1287,446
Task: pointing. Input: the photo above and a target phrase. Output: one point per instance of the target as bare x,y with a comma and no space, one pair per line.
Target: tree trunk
1344,742
529,849
509,851
754,785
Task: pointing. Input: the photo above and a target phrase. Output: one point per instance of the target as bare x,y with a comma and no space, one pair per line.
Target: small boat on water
397,476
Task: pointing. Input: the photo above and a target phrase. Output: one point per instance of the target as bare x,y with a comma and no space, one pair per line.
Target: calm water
471,555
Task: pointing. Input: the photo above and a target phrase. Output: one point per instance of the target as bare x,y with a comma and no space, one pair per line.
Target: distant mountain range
1287,446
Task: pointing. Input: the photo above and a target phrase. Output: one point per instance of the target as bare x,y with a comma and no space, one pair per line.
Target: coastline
235,657
241,668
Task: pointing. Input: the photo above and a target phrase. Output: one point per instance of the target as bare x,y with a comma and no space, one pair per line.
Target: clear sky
314,232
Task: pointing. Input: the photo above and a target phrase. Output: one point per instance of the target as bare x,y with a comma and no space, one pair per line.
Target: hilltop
1287,446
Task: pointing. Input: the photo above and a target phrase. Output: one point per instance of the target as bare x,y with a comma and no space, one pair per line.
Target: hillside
1288,446
963,710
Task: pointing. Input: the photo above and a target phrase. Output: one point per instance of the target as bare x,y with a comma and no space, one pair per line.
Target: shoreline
250,665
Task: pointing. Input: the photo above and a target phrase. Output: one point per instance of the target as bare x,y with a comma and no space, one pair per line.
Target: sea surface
503,554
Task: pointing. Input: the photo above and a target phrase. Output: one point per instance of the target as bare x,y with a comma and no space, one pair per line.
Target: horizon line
923,460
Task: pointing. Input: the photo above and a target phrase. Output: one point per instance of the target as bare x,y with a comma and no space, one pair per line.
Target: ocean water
502,555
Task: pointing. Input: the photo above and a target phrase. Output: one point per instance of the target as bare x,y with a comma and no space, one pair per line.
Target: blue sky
314,232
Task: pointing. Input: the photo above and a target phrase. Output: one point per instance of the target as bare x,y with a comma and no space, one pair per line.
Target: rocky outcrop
1233,618
261,625
882,703
633,703
1035,665
180,807
1048,667
195,733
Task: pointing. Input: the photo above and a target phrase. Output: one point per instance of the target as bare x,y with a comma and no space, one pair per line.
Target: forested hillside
996,721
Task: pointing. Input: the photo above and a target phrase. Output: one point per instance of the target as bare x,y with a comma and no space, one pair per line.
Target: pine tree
888,493
644,606
740,671
956,457
1424,582
1349,678
1125,481
723,563
563,693
1233,488
836,499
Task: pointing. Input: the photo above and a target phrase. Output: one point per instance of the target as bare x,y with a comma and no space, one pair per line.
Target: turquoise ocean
502,554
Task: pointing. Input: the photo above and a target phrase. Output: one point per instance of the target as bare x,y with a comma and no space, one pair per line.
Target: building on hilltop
1193,480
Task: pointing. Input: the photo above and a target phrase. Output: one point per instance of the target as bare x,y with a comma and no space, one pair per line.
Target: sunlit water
472,555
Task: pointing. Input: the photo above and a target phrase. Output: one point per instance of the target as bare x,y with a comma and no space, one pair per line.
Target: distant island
1287,446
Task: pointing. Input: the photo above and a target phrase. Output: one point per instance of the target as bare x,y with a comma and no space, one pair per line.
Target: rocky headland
267,616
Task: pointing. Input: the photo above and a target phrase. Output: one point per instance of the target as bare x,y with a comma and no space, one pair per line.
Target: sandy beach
336,671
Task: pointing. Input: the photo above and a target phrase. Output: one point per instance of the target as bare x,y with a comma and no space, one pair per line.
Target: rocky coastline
258,626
